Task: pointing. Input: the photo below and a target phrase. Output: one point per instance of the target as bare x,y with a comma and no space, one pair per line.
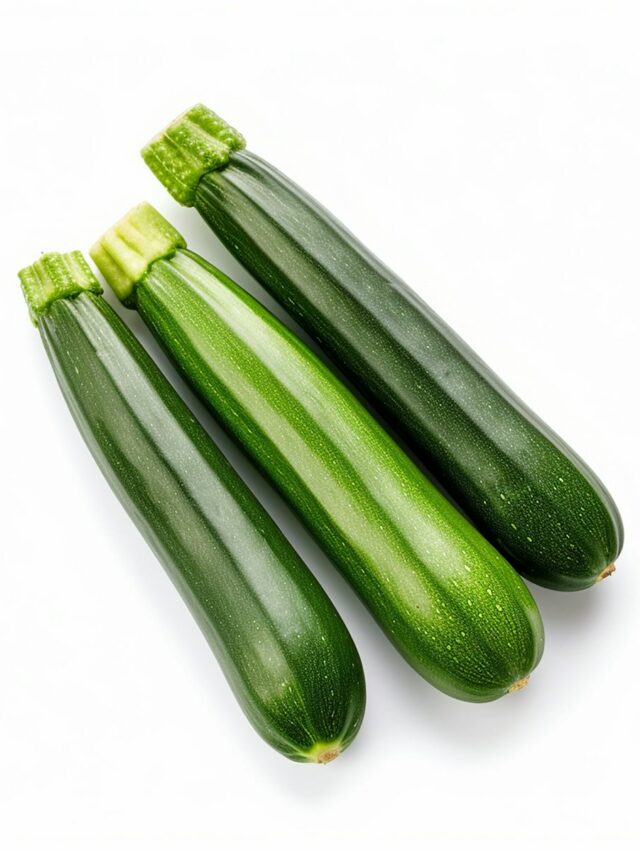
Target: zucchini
282,646
525,489
451,604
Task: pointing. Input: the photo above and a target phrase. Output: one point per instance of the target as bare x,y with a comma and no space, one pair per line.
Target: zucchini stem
126,251
195,143
55,276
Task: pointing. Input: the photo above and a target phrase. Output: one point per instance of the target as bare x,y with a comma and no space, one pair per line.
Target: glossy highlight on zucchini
449,602
283,648
524,488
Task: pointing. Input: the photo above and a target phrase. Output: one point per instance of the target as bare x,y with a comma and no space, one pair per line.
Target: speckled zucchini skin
451,604
529,493
283,647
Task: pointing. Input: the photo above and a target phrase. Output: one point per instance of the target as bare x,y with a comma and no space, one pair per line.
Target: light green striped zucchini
450,603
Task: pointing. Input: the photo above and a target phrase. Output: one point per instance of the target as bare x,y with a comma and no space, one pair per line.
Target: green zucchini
529,493
451,604
284,649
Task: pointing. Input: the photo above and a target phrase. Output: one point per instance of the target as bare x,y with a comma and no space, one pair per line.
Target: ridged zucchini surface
283,647
528,492
446,598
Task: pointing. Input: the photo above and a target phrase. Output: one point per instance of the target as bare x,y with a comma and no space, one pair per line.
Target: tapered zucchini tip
323,753
606,573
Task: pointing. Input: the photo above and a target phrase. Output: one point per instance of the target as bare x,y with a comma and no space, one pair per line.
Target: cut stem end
195,143
55,276
126,251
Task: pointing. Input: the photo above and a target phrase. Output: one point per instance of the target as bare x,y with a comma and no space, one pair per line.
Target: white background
488,151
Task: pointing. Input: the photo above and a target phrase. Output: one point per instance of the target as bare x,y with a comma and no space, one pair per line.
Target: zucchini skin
450,603
523,487
283,647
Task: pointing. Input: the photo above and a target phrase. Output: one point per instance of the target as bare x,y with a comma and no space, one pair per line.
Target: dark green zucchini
451,604
283,648
529,493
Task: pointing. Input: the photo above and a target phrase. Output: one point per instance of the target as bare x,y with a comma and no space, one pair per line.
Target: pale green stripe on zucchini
449,602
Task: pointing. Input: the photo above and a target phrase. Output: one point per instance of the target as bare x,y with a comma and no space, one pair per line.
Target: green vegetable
529,493
283,648
451,604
